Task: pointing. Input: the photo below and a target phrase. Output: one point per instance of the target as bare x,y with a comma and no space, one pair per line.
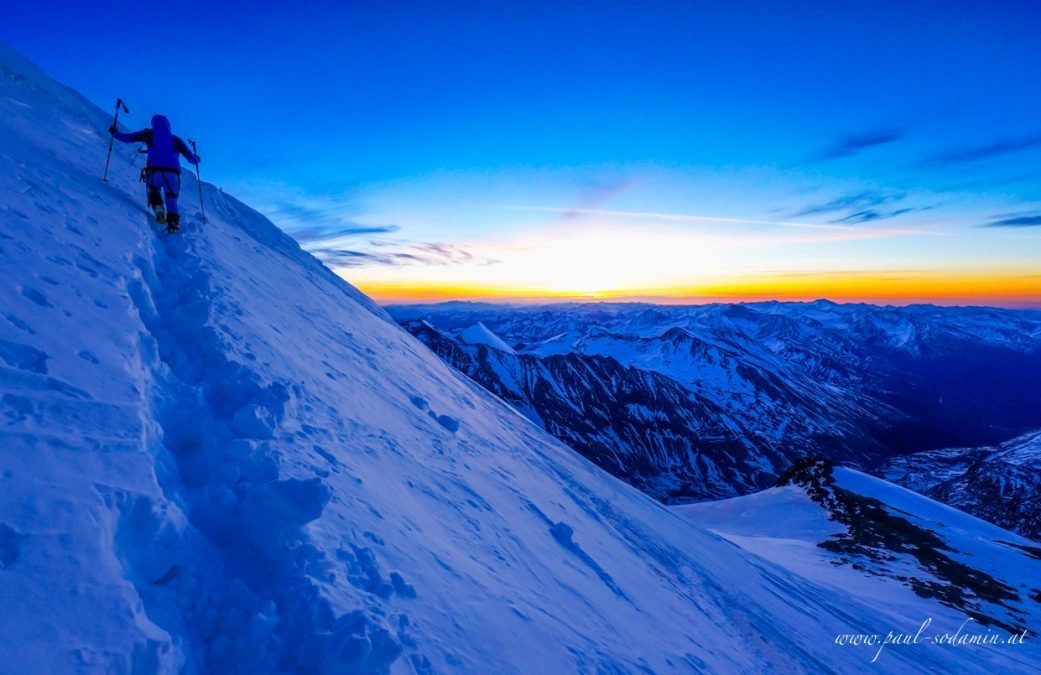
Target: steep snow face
478,334
216,456
893,549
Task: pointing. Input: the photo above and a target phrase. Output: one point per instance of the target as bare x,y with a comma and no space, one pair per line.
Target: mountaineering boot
173,223
155,199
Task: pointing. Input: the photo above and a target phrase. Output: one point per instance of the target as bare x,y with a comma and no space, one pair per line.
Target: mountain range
702,402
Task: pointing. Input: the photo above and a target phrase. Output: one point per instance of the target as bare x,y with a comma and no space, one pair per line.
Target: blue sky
516,148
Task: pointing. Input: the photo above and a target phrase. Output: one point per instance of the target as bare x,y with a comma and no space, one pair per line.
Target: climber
162,173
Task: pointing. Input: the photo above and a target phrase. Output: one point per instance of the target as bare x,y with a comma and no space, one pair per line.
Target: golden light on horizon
988,287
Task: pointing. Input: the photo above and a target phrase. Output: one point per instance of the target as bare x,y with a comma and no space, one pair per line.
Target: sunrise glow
589,258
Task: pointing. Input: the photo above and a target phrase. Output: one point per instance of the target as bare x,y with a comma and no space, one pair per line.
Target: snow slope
216,456
897,560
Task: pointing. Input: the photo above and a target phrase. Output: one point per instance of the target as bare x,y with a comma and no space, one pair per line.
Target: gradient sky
879,151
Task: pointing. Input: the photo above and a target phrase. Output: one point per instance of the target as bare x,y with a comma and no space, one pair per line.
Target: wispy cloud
297,212
328,222
976,153
398,254
321,202
852,144
598,191
333,219
1015,220
855,200
327,232
859,207
834,232
870,215
670,217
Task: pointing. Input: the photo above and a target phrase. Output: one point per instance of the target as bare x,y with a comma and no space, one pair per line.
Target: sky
677,152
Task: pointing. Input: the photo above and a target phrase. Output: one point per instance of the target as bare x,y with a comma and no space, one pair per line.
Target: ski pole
198,180
115,121
140,151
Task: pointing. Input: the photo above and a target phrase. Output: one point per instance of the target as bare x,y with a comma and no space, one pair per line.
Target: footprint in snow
58,260
18,323
23,357
10,546
33,295
449,423
16,408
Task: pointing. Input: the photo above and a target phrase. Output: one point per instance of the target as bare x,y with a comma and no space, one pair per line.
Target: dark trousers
163,183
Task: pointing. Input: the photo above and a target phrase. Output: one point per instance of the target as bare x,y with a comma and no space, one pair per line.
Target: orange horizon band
883,288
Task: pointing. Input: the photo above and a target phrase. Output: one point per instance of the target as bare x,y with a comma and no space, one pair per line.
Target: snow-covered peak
479,334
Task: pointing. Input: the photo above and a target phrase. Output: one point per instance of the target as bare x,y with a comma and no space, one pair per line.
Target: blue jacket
163,146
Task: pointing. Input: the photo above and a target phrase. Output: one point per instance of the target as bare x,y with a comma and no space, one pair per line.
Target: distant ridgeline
712,401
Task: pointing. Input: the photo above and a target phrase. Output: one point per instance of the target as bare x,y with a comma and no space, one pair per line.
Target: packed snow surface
216,456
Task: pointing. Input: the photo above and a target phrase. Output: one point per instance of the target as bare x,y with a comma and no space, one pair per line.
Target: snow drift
216,456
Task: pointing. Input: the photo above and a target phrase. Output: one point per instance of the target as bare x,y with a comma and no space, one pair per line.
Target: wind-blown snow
216,456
